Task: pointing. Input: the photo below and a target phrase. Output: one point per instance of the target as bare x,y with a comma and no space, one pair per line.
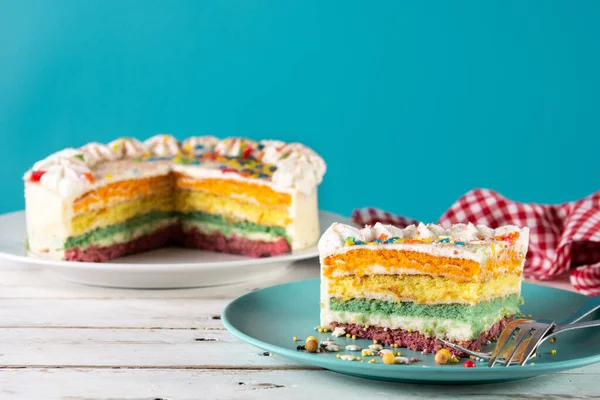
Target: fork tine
519,341
503,340
460,348
532,346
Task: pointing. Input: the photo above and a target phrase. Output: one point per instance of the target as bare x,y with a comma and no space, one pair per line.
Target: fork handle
576,325
591,305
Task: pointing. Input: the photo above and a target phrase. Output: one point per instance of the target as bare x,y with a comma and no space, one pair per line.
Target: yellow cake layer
243,191
187,201
120,212
359,261
422,288
114,193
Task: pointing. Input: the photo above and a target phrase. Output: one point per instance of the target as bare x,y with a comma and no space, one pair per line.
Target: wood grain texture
65,341
183,384
133,348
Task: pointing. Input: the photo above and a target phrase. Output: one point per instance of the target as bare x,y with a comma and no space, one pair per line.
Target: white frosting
347,357
464,233
162,146
64,172
296,166
95,153
198,145
127,147
234,147
53,158
388,230
334,239
353,347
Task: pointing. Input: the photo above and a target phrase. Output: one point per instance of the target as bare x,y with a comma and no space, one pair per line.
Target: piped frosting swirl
339,236
285,165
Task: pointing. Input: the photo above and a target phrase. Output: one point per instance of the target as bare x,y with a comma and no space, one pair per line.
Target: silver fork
590,305
538,331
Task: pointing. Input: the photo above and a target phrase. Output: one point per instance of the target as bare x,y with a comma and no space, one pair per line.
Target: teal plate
271,317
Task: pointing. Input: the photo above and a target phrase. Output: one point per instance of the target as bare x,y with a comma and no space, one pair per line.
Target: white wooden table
65,341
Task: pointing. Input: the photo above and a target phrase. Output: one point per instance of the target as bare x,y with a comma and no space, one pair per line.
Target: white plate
159,269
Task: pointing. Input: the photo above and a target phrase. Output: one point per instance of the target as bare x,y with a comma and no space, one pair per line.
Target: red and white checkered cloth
562,237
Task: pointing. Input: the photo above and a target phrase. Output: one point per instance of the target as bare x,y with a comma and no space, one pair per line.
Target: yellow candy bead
442,357
396,345
353,337
348,335
295,338
553,352
375,341
388,358
312,346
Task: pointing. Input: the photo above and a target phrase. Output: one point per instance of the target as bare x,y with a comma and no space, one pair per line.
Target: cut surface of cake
410,286
99,202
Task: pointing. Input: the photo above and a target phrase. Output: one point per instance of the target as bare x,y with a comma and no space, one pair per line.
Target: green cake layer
228,227
105,233
460,312
148,221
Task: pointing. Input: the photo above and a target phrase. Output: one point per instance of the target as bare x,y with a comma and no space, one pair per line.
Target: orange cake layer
114,193
235,189
359,261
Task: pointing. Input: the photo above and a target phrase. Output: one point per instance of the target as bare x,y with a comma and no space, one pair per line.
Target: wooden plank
113,313
182,384
131,348
27,283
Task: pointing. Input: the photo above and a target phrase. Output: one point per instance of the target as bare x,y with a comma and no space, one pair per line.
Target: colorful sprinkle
469,364
36,176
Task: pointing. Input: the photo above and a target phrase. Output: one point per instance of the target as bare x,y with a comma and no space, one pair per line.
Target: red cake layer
419,342
95,253
194,239
235,244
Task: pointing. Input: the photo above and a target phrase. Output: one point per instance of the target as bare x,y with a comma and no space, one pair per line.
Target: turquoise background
410,103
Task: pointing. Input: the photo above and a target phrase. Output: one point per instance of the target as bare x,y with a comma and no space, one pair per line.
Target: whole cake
235,195
410,286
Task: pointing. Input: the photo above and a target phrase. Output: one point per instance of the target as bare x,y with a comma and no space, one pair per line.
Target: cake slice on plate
409,286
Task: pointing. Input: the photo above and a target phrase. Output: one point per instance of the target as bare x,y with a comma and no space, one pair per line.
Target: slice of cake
234,195
410,286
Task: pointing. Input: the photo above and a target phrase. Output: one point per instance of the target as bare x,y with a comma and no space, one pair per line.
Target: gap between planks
191,328
171,367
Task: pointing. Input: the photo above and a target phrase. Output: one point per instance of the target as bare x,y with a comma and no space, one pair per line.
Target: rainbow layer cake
410,286
240,196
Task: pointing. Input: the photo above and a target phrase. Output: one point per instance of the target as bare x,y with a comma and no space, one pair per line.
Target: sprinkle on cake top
71,172
340,236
